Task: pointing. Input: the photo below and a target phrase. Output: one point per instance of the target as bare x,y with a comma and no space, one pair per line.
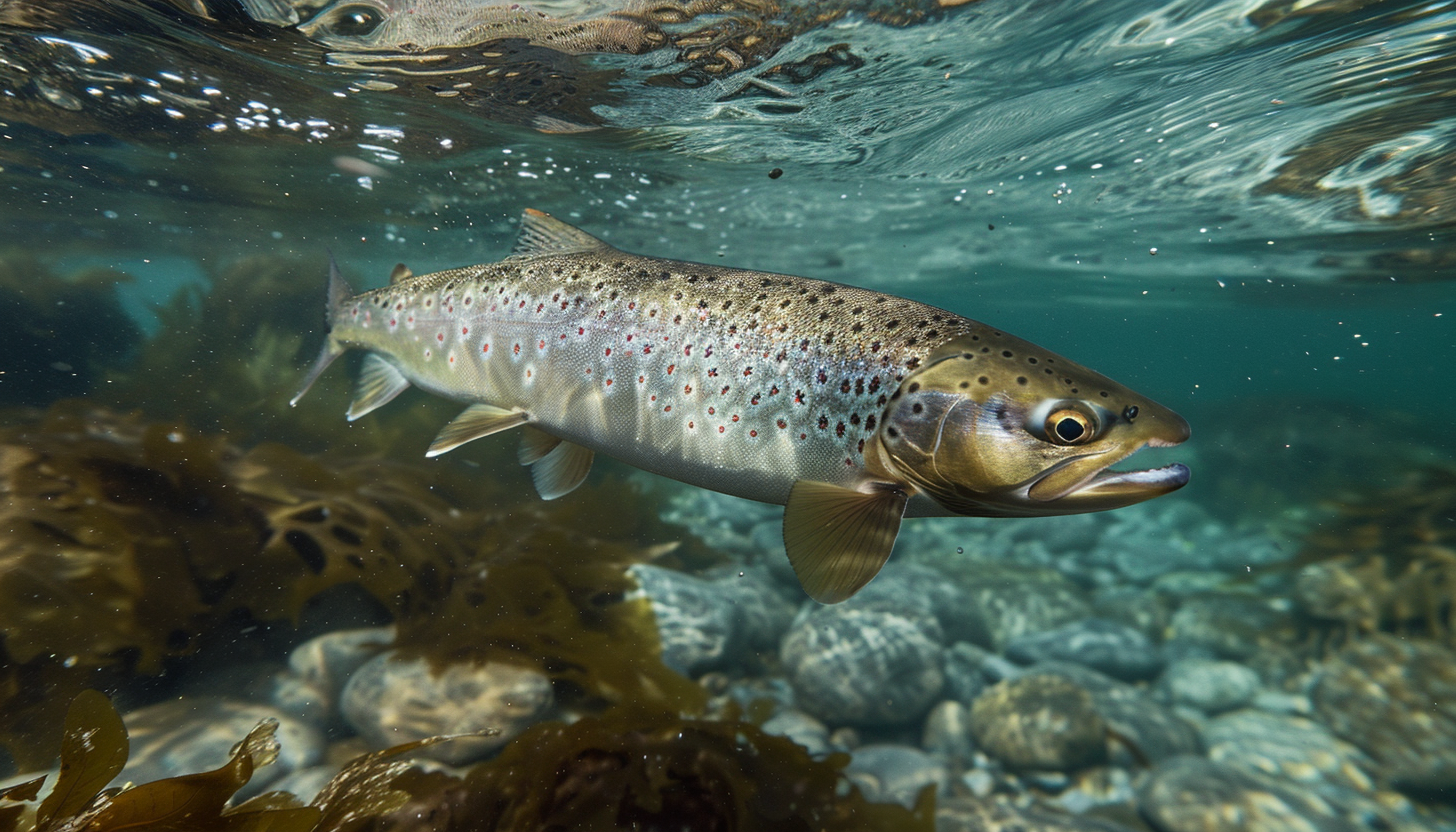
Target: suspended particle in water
960,550
775,173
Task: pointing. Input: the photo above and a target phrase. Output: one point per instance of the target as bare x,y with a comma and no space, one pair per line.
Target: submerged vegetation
662,772
1386,561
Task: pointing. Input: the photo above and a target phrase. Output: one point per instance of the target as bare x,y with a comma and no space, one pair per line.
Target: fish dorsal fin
400,273
560,471
474,422
535,443
838,538
542,234
379,382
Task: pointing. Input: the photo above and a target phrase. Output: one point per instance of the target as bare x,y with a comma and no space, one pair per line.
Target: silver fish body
754,384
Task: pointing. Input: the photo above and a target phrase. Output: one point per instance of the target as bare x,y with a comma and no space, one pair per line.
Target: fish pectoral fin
837,538
542,234
400,274
561,470
474,422
379,382
535,443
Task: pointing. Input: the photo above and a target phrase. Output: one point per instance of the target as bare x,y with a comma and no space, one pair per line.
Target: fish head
990,425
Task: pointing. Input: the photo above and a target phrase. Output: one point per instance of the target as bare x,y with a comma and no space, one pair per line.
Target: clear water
1245,209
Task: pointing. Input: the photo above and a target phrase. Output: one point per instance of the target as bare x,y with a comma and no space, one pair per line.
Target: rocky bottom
1134,687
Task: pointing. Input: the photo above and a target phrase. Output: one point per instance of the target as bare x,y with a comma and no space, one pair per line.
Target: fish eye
1069,427
355,21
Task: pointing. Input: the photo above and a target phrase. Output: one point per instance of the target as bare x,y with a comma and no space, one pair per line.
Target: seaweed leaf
364,789
93,751
194,801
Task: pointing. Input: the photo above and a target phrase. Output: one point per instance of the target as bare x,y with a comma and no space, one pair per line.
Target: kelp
122,541
1385,561
654,772
59,334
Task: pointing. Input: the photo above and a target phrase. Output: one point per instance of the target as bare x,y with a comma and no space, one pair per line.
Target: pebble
862,667
319,668
962,666
1009,601
947,732
188,736
1289,747
914,589
1143,729
1209,686
1229,625
1191,794
801,728
695,623
393,700
1115,649
1039,722
886,773
1396,700
995,813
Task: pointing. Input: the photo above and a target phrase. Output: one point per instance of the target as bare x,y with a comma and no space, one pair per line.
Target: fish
851,408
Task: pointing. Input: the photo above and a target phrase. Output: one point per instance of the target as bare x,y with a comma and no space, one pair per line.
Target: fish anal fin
535,443
379,382
400,273
474,422
542,234
838,538
560,471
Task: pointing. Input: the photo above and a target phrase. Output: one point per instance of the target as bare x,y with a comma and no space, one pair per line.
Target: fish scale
771,387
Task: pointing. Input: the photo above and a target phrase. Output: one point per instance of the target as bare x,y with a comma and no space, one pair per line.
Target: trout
851,408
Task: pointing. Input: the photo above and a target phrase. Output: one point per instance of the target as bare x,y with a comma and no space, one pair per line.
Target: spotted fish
849,407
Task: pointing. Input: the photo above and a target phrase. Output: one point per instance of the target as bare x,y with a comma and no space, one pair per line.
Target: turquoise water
1244,210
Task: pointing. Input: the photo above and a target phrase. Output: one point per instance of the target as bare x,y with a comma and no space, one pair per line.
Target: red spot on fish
687,388
541,346
521,305
485,348
849,462
629,339
632,305
410,319
670,368
753,433
540,306
563,336
711,411
581,330
464,330
803,436
654,398
528,374
735,417
823,422
748,371
440,336
724,391
688,350
720,428
753,400
798,397
609,350
667,409
452,359
609,384
516,349
782,424
690,425
398,307
774,390
647,350
467,300
392,322
641,379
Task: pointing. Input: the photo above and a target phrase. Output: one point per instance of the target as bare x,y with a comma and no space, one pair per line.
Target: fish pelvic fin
561,470
338,294
535,443
379,382
474,422
837,538
542,235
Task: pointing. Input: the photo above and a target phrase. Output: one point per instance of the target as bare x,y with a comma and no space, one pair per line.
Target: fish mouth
1088,483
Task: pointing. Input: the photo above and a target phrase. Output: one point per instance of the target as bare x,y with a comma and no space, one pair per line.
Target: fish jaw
1088,483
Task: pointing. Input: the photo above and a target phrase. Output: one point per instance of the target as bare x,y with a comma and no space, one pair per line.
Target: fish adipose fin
838,538
379,382
542,234
474,422
339,293
561,470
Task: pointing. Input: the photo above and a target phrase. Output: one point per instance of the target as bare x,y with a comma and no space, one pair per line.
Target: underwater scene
957,415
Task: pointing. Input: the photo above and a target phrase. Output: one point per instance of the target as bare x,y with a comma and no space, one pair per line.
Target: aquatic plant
123,541
653,772
58,334
1386,560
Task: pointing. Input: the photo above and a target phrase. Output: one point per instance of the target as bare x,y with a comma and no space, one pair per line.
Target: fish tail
339,293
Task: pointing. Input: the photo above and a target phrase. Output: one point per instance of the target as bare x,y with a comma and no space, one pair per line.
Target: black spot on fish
1130,412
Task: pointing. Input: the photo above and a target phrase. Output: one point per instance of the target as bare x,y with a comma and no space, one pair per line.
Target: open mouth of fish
1090,482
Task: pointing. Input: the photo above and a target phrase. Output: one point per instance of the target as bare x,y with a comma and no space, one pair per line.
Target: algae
1385,561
